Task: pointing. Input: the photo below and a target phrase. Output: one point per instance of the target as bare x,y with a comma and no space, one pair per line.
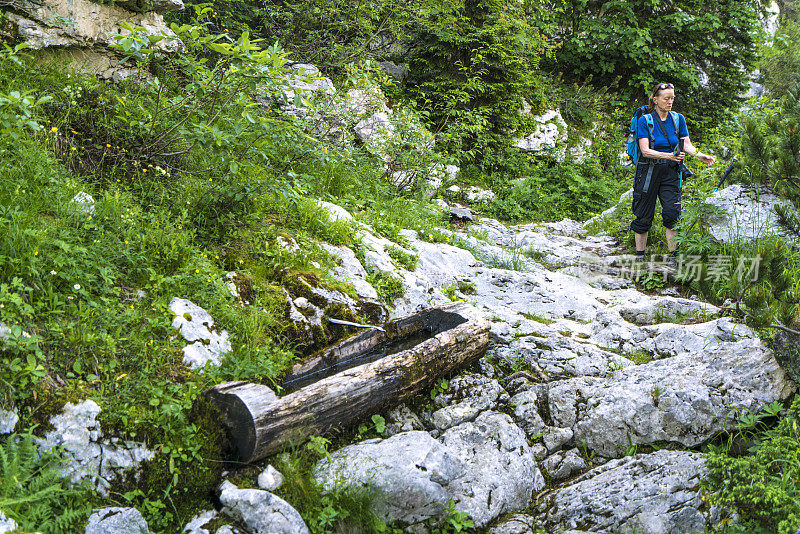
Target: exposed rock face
117,521
79,32
551,130
654,493
686,399
261,511
6,524
485,466
197,327
748,214
78,433
574,340
8,421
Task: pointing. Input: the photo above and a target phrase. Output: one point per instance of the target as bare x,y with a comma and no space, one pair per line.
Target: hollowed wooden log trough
352,379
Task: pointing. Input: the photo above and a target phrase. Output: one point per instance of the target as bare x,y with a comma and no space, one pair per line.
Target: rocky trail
590,405
586,414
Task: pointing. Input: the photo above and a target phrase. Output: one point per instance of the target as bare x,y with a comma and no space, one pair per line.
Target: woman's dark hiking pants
653,180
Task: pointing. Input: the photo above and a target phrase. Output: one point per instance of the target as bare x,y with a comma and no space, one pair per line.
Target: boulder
656,493
564,464
197,523
117,521
686,399
746,214
197,327
261,511
485,466
516,524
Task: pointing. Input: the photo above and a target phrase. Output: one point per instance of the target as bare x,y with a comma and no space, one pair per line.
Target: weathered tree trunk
261,423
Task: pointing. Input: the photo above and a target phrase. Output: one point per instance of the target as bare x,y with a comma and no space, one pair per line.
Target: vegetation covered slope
194,178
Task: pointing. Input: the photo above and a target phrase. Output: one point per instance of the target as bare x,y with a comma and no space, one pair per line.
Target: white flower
25,334
77,287
52,272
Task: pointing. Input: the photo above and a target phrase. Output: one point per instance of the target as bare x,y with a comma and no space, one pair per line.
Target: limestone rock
412,470
7,525
78,33
476,194
117,521
526,412
686,399
649,493
374,128
499,473
402,419
261,511
78,433
270,479
398,72
748,214
83,202
197,523
8,421
485,466
466,397
554,438
196,326
564,464
551,129
144,6
516,524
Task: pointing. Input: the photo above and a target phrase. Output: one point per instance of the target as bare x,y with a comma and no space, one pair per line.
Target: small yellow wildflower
108,146
90,217
144,170
73,148
197,270
36,253
53,129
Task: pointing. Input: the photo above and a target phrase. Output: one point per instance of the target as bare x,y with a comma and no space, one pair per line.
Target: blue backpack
632,146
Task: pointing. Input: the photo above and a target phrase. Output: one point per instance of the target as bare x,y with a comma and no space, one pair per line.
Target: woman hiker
657,172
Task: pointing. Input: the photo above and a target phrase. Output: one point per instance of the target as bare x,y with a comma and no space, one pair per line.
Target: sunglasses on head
666,86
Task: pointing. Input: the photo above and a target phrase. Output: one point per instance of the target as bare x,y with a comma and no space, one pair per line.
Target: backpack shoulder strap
676,120
650,126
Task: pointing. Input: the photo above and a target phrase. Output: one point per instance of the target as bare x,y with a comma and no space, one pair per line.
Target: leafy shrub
554,191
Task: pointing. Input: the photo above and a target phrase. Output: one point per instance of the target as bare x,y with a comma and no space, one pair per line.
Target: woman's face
664,99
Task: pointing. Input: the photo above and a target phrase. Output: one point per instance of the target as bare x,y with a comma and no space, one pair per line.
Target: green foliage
771,146
387,285
341,508
762,487
551,191
472,64
34,493
779,63
633,45
406,260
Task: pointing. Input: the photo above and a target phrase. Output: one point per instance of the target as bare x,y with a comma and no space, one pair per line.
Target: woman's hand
677,157
708,159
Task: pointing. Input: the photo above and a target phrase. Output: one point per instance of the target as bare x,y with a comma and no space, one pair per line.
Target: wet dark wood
261,423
